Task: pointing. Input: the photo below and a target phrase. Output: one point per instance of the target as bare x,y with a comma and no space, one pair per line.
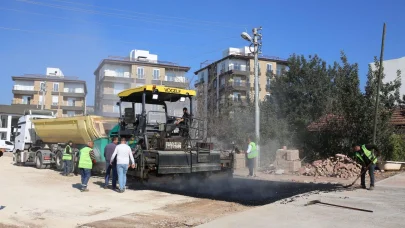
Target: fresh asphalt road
387,201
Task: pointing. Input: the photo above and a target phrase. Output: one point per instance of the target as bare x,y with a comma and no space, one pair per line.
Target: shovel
352,208
362,172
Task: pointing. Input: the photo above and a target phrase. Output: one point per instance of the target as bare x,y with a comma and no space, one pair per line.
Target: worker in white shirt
251,155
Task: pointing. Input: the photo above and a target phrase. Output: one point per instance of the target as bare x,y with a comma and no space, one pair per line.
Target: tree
300,96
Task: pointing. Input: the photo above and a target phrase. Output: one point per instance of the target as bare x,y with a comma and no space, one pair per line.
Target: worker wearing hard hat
67,159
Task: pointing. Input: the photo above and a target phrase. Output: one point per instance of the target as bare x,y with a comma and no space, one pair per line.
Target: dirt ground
44,198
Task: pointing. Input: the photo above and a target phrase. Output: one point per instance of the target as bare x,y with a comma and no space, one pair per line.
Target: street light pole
257,109
257,45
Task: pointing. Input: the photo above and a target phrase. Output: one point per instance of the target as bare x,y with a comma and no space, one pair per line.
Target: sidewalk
387,202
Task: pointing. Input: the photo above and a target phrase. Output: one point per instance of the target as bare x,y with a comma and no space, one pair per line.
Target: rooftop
242,55
131,61
47,77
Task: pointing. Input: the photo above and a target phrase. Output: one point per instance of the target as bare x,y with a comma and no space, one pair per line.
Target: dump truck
40,138
166,148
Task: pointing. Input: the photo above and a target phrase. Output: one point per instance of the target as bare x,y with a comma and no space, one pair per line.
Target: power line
154,15
75,36
91,22
120,41
156,21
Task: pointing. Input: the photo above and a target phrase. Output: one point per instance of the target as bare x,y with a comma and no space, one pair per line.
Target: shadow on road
252,192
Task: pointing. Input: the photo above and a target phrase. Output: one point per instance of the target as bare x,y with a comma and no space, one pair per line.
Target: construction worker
111,165
67,159
251,155
86,160
123,154
367,159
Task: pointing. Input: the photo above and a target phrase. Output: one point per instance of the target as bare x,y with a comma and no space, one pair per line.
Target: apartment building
229,81
115,74
66,95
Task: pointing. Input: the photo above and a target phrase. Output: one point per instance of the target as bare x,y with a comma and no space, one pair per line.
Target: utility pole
377,99
43,88
257,109
256,42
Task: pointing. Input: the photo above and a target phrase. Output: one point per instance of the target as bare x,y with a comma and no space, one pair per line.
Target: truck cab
28,147
24,133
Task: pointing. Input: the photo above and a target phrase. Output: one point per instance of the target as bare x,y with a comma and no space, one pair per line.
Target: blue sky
75,35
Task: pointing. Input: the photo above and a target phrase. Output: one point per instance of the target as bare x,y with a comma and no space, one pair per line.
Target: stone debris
339,166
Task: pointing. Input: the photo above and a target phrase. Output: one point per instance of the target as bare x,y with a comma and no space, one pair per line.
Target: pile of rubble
339,166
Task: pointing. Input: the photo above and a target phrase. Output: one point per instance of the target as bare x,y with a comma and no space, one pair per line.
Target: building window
3,121
140,73
222,67
236,96
236,66
215,83
170,76
26,100
118,87
269,67
70,113
55,87
71,102
222,81
119,72
280,69
156,74
55,100
237,81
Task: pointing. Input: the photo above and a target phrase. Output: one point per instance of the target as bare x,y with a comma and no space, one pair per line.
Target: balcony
156,82
236,70
239,85
71,106
70,115
110,96
115,78
175,84
24,90
72,92
31,104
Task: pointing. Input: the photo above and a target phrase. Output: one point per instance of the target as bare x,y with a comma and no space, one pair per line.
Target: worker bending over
367,159
86,160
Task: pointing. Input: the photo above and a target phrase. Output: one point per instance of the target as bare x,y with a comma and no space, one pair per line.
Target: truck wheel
38,162
59,162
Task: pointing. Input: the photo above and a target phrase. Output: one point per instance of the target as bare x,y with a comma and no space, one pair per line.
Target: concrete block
292,155
294,166
281,154
240,161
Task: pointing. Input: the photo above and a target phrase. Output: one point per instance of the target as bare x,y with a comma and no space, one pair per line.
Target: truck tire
58,161
38,162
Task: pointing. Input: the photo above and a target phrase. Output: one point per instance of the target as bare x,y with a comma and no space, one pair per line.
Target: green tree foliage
311,91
